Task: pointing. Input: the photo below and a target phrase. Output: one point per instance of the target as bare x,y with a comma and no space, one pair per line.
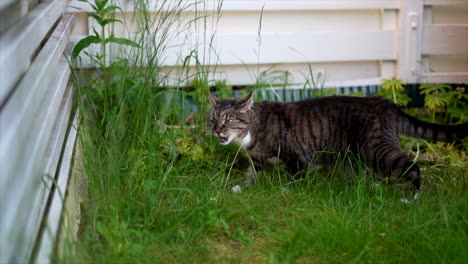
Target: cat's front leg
256,165
250,177
251,174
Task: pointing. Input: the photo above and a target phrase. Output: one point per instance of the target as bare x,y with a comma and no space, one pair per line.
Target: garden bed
159,190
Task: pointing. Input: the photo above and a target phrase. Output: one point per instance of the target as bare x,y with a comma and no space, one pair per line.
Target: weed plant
159,183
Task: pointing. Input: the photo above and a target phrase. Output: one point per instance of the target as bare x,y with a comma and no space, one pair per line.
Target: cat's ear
247,102
213,99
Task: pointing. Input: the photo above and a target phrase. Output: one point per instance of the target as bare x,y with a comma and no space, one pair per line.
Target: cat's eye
229,121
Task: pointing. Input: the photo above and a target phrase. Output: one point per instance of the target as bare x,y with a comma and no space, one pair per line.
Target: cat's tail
414,127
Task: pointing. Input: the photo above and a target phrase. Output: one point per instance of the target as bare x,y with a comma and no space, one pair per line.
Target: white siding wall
35,108
352,42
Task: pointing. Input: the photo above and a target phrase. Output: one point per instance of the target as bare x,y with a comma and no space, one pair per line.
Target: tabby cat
297,133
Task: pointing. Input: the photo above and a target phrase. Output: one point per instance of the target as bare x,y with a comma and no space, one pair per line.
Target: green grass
162,195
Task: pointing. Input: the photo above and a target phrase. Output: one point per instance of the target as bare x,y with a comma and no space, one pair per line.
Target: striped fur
299,133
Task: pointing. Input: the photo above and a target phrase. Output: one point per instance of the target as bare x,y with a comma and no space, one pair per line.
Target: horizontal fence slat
19,43
281,47
446,2
445,39
239,5
309,5
306,47
27,120
334,74
446,77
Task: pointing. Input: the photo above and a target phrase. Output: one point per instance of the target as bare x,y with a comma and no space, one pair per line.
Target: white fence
35,110
352,42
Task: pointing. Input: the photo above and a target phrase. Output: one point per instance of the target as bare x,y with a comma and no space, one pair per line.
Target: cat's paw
236,189
410,200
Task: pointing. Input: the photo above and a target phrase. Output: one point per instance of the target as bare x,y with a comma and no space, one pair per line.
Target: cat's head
230,119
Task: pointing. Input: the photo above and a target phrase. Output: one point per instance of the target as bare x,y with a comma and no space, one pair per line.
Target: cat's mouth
223,139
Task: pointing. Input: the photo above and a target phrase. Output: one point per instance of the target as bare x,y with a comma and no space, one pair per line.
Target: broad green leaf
95,8
444,87
434,102
101,4
392,84
427,88
83,44
96,17
110,20
110,9
122,41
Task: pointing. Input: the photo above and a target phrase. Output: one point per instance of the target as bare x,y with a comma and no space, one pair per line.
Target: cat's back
332,122
330,106
338,112
347,105
346,102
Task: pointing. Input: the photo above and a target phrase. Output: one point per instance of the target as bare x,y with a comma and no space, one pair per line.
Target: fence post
410,29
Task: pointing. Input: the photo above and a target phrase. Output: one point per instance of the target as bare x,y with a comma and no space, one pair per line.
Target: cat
297,133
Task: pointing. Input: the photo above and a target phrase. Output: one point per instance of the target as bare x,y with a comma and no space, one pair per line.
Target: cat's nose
219,129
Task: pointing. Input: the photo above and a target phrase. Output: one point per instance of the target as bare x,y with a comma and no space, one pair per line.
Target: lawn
161,193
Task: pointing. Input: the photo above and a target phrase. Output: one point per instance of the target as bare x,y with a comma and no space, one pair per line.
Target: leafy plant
394,90
103,14
442,98
110,85
436,98
458,107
